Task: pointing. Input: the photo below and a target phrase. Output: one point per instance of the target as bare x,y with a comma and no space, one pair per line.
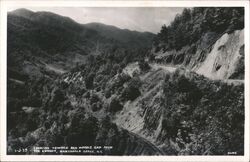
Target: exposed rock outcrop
224,57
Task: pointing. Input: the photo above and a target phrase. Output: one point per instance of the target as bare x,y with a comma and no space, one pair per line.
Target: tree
89,81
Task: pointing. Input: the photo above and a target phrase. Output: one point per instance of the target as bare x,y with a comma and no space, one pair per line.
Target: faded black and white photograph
125,81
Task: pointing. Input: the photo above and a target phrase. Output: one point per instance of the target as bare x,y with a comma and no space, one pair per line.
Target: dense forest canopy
191,24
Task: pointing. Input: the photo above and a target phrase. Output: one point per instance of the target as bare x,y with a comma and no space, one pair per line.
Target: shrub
115,105
144,66
131,92
96,106
89,81
94,98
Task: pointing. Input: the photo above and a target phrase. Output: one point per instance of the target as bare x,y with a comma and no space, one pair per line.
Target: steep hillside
199,36
181,112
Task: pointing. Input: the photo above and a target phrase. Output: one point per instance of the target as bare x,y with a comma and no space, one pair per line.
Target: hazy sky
134,18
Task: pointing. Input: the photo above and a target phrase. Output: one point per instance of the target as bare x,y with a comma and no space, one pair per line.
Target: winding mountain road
164,67
171,69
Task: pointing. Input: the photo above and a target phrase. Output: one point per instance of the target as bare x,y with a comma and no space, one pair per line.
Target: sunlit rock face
224,57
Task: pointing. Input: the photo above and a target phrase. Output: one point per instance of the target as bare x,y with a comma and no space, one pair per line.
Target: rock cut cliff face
223,60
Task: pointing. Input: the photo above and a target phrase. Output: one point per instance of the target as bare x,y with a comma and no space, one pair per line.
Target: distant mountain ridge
123,35
109,31
38,40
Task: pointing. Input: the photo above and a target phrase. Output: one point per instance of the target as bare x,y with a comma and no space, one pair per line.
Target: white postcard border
37,3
